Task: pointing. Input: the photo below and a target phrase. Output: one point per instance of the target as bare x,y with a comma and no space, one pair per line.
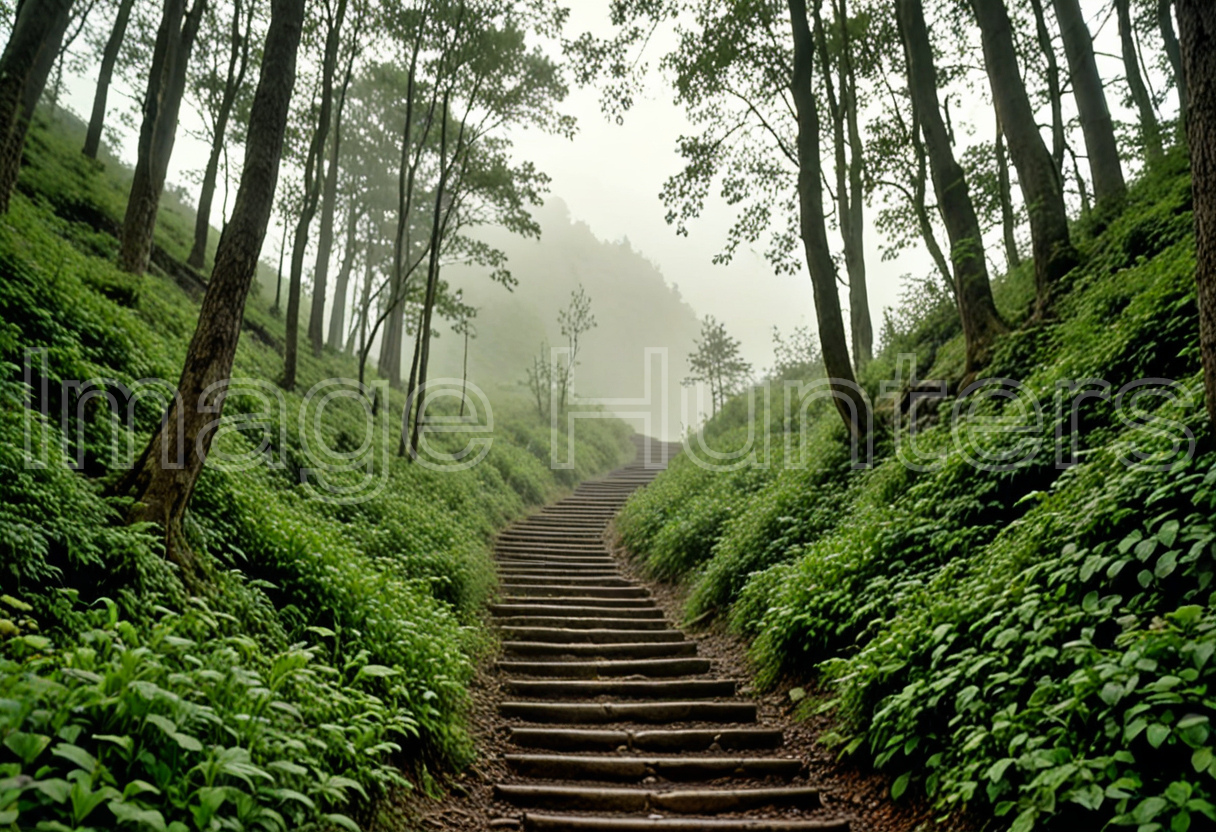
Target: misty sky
610,176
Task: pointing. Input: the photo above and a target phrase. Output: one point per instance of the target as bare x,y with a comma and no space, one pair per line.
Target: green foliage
335,646
1028,641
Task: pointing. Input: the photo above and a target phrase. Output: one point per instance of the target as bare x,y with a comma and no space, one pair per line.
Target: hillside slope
1012,612
327,664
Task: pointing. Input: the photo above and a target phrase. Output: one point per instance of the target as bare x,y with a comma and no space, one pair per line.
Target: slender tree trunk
1105,169
33,34
972,291
35,82
337,317
105,74
1082,190
166,87
325,236
1197,31
313,172
365,302
1042,192
1150,130
164,478
1173,51
850,401
464,372
238,60
278,286
1054,94
1005,193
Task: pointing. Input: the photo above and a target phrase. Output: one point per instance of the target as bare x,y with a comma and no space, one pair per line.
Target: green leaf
377,670
343,821
1025,821
1178,792
1186,616
1166,564
900,785
1168,532
75,754
1201,758
1148,809
131,813
797,694
1157,733
27,747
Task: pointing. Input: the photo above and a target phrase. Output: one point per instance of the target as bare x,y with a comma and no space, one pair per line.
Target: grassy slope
1030,643
340,638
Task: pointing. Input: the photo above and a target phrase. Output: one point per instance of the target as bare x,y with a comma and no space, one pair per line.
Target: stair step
580,581
633,650
672,740
588,611
569,590
599,713
565,601
653,668
691,801
562,635
680,689
581,823
636,769
566,622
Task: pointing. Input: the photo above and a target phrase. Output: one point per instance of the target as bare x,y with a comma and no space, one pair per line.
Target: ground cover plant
327,663
1027,643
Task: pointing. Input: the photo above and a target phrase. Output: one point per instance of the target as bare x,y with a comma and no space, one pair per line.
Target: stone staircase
618,723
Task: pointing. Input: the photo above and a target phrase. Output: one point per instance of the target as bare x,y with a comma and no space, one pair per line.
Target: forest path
600,715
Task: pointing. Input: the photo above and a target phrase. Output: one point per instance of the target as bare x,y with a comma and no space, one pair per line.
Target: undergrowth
1028,640
330,660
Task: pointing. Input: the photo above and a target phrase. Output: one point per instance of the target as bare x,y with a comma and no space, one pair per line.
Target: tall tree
1096,124
849,163
1042,191
162,490
329,203
1150,130
972,290
850,401
314,168
1197,32
717,363
105,74
222,101
350,250
1054,92
162,102
37,31
1165,23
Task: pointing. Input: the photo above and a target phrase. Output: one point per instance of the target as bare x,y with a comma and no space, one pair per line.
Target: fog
609,178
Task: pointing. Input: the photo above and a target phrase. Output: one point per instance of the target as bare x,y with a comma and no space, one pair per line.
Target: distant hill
634,306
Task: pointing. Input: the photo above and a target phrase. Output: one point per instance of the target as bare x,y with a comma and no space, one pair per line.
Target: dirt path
602,715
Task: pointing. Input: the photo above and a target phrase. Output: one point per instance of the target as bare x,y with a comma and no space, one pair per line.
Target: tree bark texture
238,62
105,74
1005,193
1054,255
972,290
1150,130
337,316
1165,22
163,490
1197,32
1054,94
1105,169
849,400
33,34
162,102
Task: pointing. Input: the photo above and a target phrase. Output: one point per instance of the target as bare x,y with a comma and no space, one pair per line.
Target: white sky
610,176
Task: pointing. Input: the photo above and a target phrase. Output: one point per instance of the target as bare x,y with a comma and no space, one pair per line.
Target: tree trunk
972,291
238,61
1005,193
389,363
365,302
1105,169
105,74
33,32
1197,31
849,399
1174,52
1054,255
1053,83
164,478
1150,130
313,171
35,83
337,317
325,237
278,285
166,86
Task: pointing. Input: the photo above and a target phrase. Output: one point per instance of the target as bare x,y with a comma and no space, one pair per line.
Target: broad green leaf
27,747
900,785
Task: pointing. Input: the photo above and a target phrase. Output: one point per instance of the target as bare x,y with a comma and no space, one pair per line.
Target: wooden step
599,713
679,689
656,740
632,650
693,801
590,610
566,622
636,769
581,823
559,635
653,668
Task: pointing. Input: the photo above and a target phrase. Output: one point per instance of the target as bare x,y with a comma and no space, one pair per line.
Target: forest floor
849,791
